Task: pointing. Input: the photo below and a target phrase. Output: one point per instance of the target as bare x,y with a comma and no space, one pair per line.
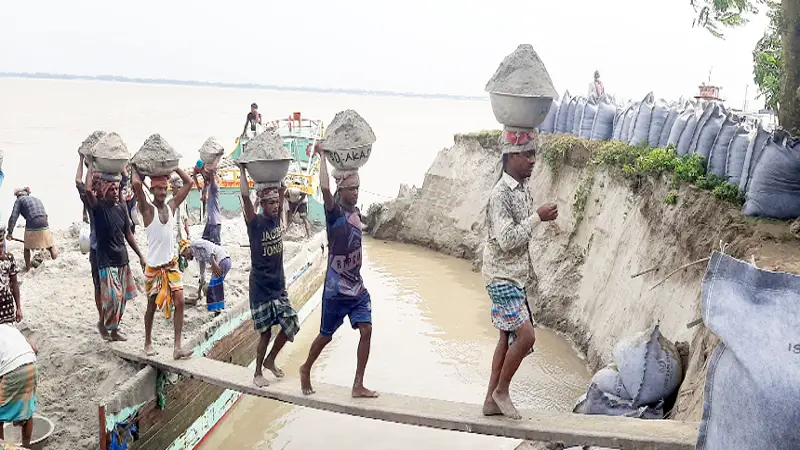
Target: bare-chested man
163,279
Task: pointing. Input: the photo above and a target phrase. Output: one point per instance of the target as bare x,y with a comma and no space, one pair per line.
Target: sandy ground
76,367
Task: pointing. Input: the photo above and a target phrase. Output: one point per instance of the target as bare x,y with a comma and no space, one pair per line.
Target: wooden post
101,410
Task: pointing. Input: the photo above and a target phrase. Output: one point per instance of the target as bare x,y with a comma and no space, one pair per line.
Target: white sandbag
603,126
576,121
641,121
708,127
774,190
737,152
570,124
649,365
563,111
718,157
685,139
753,153
609,381
663,140
658,120
597,402
549,124
588,118
627,123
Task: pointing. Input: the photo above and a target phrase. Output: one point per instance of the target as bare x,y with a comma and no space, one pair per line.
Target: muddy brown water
432,337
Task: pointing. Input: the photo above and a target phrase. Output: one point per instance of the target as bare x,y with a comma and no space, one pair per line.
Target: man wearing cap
344,293
269,301
37,231
253,119
163,283
507,268
112,228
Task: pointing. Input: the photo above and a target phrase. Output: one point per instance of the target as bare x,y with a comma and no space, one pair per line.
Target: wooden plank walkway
573,429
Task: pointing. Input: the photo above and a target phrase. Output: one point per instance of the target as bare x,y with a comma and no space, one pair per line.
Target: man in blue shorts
344,293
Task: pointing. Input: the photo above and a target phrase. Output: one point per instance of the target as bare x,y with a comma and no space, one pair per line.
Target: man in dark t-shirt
269,301
112,228
344,293
253,119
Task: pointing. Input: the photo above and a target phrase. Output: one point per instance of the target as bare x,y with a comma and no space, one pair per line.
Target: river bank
77,370
608,230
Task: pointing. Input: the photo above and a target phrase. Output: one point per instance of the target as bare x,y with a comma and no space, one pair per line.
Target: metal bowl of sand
42,430
107,165
349,159
268,171
518,110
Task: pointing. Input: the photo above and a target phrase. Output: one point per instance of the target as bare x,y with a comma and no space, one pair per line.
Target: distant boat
299,137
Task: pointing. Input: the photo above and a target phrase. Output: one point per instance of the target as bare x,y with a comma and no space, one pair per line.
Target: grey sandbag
753,152
619,118
587,118
737,152
549,124
718,157
663,140
708,126
649,365
570,124
685,139
658,120
753,381
563,111
774,190
576,121
641,121
627,123
597,402
609,381
678,126
603,127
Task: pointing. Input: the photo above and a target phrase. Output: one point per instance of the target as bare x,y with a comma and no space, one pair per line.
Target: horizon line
170,81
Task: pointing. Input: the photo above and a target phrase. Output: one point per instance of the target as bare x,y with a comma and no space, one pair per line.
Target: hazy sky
415,45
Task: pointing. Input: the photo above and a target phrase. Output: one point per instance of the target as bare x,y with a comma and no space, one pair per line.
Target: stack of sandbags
86,146
521,92
348,141
266,159
109,154
563,112
211,150
156,157
708,126
774,190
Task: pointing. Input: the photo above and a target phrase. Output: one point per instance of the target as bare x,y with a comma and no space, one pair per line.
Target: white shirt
161,239
15,351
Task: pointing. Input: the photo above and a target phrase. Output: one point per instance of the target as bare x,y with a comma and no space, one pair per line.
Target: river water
432,337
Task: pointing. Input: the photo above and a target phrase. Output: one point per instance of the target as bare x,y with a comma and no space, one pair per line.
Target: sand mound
348,130
156,157
88,144
522,73
267,146
111,147
211,149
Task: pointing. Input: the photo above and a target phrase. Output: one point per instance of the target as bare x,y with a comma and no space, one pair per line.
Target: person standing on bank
596,88
253,119
163,283
269,301
344,293
507,268
37,229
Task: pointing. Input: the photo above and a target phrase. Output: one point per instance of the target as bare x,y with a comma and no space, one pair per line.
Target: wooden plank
575,429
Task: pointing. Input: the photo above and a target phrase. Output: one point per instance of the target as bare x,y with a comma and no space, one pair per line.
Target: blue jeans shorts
335,308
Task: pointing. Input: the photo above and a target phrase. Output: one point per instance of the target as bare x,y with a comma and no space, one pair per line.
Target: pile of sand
211,149
156,157
110,146
267,146
88,144
522,73
348,130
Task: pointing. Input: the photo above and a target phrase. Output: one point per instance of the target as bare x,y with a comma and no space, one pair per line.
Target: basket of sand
109,154
348,141
88,144
211,150
265,158
156,157
521,90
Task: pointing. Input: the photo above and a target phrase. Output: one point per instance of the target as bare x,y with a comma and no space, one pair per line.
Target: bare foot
180,353
490,408
260,381
103,333
305,380
270,365
149,350
362,392
117,336
506,407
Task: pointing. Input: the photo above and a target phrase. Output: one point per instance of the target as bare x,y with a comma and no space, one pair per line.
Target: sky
447,47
